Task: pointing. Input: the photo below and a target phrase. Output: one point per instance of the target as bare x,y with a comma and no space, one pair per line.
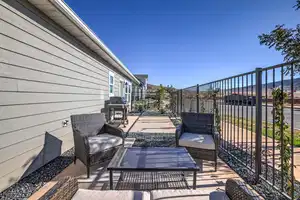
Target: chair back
88,124
201,123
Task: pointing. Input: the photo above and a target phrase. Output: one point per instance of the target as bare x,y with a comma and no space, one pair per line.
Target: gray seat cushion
180,195
103,142
218,195
83,194
196,140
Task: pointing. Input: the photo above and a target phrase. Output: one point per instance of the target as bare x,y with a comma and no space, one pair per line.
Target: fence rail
258,121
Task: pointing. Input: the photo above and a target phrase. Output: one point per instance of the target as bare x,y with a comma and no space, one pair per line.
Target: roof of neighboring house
141,75
62,14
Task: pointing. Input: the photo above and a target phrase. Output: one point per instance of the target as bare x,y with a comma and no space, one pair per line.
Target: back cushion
197,122
88,124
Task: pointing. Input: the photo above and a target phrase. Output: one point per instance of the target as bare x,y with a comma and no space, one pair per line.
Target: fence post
197,98
258,122
181,102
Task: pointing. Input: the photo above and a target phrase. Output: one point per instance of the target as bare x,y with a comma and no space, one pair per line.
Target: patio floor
207,179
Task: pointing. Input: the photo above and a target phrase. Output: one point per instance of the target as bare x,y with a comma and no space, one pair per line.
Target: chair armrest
113,131
81,145
178,133
237,190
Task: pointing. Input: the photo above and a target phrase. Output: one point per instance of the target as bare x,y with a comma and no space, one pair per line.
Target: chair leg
88,171
216,162
216,165
74,160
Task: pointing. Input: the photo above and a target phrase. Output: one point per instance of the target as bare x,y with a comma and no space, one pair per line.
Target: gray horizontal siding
46,75
23,98
25,128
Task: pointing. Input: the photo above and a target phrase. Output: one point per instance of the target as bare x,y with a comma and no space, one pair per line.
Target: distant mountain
286,84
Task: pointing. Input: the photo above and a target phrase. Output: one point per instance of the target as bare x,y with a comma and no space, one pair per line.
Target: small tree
160,97
213,94
172,101
285,40
202,107
281,130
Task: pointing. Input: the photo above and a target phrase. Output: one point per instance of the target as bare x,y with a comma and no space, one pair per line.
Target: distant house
237,99
140,91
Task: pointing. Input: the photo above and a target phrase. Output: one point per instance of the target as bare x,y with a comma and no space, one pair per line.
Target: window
121,88
111,81
128,91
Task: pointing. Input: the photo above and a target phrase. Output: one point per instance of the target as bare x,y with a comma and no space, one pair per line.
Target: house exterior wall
46,75
140,92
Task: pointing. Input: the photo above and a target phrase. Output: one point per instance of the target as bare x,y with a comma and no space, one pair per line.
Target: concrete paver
154,124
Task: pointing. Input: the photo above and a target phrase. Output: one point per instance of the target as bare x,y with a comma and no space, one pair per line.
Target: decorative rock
34,181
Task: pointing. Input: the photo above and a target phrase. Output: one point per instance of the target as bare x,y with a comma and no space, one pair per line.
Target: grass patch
269,132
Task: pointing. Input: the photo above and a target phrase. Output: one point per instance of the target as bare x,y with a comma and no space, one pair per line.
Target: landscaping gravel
262,187
153,139
134,114
24,188
155,113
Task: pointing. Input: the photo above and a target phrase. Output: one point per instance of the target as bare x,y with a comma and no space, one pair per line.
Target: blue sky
185,42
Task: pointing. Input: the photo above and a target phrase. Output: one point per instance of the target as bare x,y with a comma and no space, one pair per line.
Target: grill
117,108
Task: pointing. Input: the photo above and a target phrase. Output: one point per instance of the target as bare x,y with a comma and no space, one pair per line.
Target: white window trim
122,88
109,84
128,93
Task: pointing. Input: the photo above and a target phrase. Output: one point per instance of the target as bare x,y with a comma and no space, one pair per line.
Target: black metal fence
260,121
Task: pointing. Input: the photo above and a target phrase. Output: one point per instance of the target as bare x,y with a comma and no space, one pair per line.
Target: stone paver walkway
153,124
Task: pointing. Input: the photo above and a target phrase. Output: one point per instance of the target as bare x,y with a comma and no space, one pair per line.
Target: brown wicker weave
201,123
237,190
64,189
91,125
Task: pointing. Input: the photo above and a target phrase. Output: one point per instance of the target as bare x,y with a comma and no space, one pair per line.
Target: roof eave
68,13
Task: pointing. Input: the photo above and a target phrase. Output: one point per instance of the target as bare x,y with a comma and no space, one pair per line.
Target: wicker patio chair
198,135
95,141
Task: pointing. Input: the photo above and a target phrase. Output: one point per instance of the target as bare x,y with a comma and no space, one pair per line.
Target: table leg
124,118
182,176
194,180
110,179
121,176
109,116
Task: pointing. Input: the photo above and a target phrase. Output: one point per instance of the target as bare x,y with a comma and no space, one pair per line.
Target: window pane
111,89
111,80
